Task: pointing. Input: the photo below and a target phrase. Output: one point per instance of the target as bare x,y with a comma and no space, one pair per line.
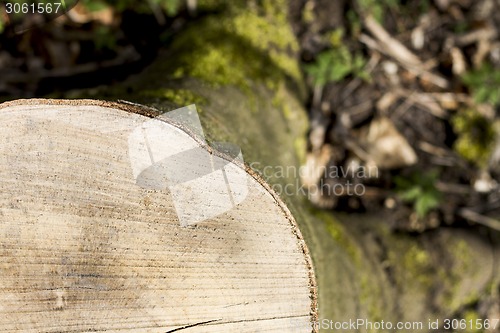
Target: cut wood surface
85,249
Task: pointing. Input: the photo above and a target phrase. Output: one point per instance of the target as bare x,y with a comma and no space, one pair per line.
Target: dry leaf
385,146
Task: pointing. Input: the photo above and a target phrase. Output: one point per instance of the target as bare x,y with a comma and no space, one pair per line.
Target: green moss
341,237
462,262
476,136
411,264
473,298
216,66
335,37
300,144
371,298
308,15
280,101
180,97
244,45
417,265
364,279
461,252
471,317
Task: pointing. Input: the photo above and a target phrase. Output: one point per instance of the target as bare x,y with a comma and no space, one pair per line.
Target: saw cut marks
84,248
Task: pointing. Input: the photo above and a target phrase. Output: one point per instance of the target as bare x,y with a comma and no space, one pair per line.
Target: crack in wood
193,325
230,322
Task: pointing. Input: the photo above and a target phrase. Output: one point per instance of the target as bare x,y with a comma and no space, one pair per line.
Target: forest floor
404,100
403,95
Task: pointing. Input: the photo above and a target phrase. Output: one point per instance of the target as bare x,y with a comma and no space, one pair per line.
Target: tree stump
85,247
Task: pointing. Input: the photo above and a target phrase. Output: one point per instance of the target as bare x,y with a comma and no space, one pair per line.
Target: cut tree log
85,247
240,67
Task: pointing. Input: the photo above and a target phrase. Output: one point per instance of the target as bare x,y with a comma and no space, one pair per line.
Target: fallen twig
391,45
393,48
453,188
479,219
488,32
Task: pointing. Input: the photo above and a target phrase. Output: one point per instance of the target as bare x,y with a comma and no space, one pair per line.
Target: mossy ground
476,136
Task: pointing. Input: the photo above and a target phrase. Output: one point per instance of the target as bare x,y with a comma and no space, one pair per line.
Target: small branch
396,50
453,188
428,102
479,219
486,33
157,12
390,45
317,96
432,149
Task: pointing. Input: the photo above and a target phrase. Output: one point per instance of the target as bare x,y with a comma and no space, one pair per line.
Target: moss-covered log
240,68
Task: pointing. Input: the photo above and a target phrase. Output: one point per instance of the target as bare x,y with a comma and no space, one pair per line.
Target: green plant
336,64
484,84
335,37
171,6
104,38
420,190
354,23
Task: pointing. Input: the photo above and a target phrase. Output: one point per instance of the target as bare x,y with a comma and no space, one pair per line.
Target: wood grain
84,249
